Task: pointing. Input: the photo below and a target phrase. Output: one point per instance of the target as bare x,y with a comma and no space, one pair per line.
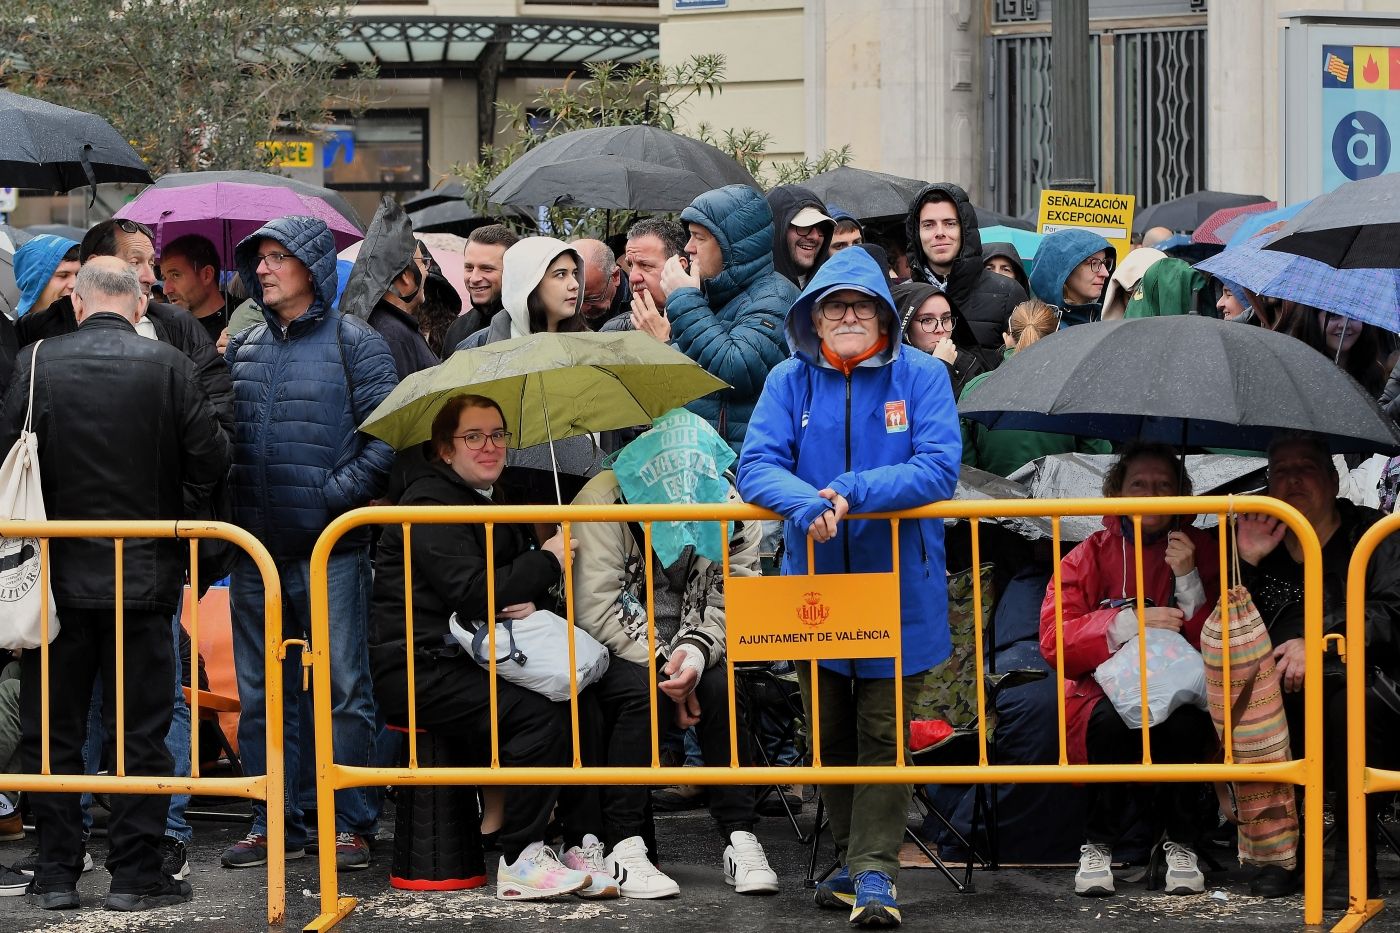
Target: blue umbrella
1250,224
1025,241
1369,295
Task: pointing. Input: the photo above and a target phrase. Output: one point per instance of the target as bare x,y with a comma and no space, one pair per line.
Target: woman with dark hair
930,322
1352,345
541,291
460,466
1099,590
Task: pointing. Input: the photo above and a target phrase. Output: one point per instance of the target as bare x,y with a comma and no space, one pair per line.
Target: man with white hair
606,292
100,389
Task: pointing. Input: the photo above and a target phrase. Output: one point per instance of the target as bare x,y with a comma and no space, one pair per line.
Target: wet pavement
1006,901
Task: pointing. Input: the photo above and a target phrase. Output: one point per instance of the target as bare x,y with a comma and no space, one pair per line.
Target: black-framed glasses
274,259
1095,265
132,226
475,440
836,310
932,324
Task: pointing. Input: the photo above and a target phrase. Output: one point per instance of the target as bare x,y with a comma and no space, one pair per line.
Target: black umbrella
1355,227
618,168
53,148
986,217
334,199
864,194
1186,380
453,191
64,230
1189,211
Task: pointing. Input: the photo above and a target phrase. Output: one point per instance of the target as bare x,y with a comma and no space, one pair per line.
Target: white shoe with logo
746,868
636,875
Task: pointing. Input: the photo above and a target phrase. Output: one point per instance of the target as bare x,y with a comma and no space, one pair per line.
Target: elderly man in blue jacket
851,424
303,380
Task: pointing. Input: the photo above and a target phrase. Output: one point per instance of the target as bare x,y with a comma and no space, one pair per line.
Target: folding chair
756,685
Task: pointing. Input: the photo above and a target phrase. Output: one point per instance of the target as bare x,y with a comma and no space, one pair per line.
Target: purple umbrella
226,212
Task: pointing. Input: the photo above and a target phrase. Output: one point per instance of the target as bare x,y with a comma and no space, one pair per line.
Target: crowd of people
844,359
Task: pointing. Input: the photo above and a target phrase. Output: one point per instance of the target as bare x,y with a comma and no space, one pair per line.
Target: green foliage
194,84
640,94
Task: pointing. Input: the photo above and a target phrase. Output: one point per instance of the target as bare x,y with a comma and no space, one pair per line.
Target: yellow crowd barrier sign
804,617
1108,215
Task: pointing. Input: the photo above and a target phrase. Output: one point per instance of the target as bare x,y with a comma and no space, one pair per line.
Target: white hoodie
522,271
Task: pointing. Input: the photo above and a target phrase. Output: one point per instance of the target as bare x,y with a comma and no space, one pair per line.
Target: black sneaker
12,883
174,861
168,893
26,865
53,898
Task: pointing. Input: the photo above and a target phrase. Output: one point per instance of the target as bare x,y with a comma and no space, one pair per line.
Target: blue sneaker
875,904
836,892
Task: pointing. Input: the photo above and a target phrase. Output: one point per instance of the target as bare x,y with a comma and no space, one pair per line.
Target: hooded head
853,270
1056,259
967,262
388,249
1168,288
909,297
741,222
35,264
796,208
306,238
524,269
1125,280
1011,255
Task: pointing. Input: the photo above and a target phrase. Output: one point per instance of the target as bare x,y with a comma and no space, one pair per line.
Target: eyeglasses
1095,265
931,324
131,226
274,259
475,440
836,310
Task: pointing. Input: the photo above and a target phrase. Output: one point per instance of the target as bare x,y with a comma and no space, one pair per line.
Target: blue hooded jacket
35,263
298,460
816,428
733,324
1055,259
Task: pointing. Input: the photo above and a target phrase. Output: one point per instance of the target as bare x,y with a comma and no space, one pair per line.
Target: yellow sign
290,153
1108,215
1372,66
853,615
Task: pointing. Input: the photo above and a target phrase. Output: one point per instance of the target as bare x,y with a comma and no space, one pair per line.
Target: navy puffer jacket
734,329
298,461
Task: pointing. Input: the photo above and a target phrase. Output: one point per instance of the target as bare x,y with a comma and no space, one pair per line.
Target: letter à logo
1361,145
813,611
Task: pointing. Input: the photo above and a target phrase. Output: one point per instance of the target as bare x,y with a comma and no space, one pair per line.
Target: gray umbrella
53,148
67,231
453,191
244,177
1355,227
387,250
598,176
864,194
1189,211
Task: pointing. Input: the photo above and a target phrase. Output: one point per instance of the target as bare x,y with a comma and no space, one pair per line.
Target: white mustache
859,331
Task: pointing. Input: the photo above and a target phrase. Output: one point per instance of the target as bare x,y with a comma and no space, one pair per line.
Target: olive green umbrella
549,386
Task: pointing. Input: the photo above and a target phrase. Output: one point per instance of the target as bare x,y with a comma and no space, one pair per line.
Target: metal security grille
1161,113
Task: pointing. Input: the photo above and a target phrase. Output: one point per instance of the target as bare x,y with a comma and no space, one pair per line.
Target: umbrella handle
553,461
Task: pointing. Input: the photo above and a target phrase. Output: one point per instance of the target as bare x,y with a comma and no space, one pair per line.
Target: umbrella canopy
244,177
67,231
864,194
1190,211
46,146
1220,385
986,217
1355,227
1242,228
225,212
453,191
588,184
549,386
1025,241
1370,295
603,182
1212,229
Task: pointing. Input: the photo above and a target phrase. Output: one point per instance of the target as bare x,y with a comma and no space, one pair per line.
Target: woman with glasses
461,466
1071,269
929,322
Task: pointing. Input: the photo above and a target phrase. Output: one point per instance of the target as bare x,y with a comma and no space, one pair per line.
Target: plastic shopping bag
1176,677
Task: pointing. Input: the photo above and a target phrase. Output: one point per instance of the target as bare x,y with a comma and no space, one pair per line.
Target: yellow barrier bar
900,736
814,728
119,674
651,638
194,659
1146,729
1227,685
491,643
1059,642
573,662
45,637
978,675
408,641
732,688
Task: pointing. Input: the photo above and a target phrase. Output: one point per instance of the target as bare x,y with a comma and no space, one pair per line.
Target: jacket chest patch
896,417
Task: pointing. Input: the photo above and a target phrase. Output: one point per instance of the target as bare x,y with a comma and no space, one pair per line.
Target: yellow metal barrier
331,777
269,787
1361,778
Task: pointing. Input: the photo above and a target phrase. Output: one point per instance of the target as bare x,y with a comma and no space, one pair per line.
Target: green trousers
857,728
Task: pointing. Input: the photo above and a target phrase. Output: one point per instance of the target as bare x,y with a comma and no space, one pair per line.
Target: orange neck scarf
847,366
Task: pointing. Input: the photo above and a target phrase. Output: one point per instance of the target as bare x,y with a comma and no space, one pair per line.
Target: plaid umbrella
1369,295
1210,230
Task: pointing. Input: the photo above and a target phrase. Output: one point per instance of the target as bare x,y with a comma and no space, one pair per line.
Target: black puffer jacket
972,360
400,330
125,432
985,299
449,570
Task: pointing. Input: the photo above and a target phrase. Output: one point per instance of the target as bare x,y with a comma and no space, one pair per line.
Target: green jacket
1005,452
1168,287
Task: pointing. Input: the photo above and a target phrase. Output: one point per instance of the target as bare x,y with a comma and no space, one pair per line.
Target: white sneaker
589,857
537,874
1183,874
746,867
636,875
1095,875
